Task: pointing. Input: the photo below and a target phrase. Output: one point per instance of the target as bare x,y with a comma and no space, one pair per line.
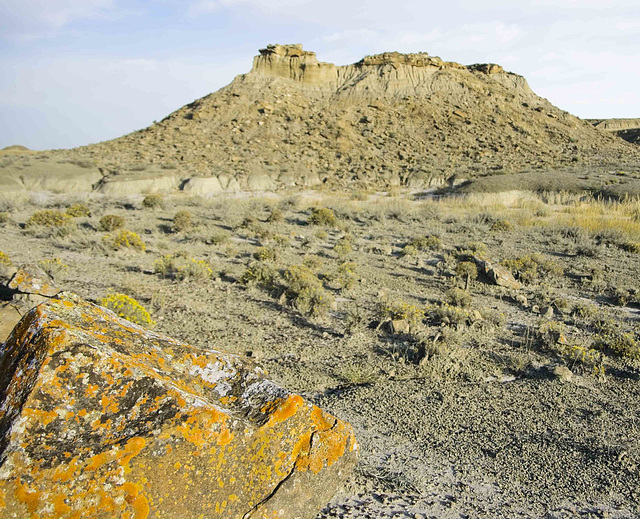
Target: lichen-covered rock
101,418
31,279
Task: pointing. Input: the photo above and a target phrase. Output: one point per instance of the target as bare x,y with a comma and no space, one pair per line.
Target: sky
76,72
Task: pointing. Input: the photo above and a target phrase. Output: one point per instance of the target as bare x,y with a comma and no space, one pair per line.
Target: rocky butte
391,119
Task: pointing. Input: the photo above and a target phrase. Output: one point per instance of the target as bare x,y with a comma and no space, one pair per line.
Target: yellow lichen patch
44,417
132,449
59,505
65,473
131,491
3,503
285,410
97,461
329,447
141,507
31,498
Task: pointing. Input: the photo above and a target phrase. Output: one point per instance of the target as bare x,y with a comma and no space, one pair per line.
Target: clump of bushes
5,260
322,216
124,239
344,278
344,246
261,274
529,269
127,308
54,267
467,271
110,222
152,201
458,297
181,267
305,291
501,225
182,221
78,211
631,246
426,243
399,311
4,218
266,254
48,218
5,263
276,216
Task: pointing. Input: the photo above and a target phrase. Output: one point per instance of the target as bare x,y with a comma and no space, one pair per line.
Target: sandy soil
487,426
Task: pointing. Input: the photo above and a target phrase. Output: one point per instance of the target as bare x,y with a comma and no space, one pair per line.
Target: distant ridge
389,119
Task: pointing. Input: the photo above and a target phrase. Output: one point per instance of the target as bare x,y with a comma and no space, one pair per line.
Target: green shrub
266,254
180,267
305,291
54,267
400,311
343,247
4,218
219,237
501,225
182,221
322,216
275,216
261,274
530,269
468,271
78,211
48,218
152,201
344,278
110,222
631,246
128,308
551,334
458,297
125,239
409,251
5,260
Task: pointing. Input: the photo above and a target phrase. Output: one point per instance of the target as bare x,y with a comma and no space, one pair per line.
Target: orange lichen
97,461
107,503
59,505
66,473
141,507
132,449
285,410
28,497
46,417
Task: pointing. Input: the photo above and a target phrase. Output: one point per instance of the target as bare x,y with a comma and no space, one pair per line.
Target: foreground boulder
102,418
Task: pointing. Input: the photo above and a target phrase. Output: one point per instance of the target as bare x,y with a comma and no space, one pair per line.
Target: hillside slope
407,119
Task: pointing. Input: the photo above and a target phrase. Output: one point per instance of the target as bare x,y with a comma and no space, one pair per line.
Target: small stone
399,326
563,373
547,312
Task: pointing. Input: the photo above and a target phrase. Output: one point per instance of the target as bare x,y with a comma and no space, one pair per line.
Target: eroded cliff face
388,74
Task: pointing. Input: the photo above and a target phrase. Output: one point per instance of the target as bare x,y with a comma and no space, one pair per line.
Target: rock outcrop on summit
389,119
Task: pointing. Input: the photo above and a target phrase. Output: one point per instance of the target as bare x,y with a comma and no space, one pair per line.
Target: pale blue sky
82,71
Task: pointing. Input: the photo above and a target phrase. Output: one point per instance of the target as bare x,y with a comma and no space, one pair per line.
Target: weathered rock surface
20,290
101,418
496,273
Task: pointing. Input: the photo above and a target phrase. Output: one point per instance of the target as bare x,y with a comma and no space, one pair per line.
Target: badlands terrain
428,251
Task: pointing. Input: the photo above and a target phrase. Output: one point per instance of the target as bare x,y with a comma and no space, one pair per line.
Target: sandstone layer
101,418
